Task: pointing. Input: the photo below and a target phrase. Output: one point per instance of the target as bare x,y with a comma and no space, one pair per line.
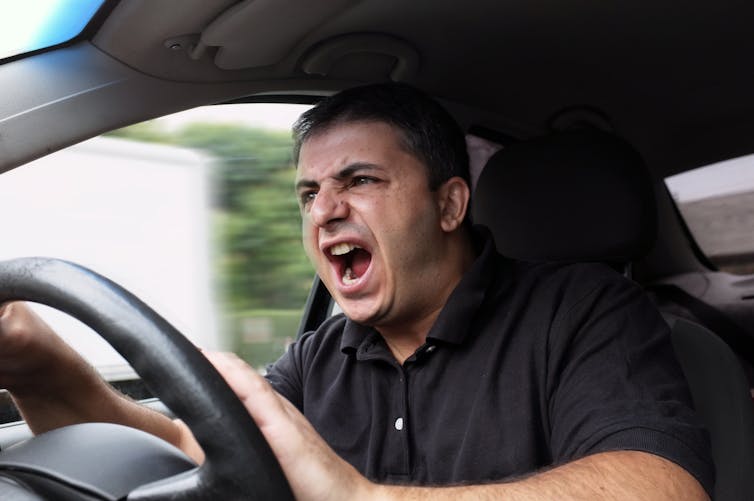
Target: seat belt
713,319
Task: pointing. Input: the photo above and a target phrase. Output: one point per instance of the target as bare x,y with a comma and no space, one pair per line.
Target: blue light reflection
30,25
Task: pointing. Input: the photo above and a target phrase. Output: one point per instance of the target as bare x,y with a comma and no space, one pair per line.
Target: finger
20,324
27,343
15,313
6,309
14,326
259,398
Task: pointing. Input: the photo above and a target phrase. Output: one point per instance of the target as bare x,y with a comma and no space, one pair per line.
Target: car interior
598,110
589,213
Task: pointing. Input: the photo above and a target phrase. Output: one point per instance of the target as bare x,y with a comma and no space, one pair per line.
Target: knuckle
13,323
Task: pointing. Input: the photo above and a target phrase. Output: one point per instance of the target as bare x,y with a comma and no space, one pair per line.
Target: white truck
80,204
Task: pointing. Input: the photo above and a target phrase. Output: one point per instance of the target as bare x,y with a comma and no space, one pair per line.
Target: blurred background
195,213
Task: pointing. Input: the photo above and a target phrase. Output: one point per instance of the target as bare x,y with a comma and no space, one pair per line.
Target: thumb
259,398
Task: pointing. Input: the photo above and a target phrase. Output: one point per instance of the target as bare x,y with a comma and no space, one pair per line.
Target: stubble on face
358,185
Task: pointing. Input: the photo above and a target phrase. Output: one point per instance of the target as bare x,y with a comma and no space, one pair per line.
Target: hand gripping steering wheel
239,463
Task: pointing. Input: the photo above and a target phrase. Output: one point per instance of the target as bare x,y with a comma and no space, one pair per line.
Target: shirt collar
455,319
355,335
453,322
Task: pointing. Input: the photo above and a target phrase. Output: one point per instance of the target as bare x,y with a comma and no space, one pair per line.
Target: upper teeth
344,248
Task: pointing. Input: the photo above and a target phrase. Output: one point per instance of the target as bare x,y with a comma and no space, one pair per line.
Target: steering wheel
239,463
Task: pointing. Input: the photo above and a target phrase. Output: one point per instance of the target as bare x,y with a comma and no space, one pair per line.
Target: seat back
722,397
587,196
575,196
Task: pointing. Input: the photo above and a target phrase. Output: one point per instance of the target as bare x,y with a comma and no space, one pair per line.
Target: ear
453,201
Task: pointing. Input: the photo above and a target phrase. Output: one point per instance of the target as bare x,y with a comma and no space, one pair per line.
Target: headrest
571,196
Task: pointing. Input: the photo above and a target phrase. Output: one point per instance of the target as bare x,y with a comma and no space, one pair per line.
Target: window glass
717,203
195,213
36,24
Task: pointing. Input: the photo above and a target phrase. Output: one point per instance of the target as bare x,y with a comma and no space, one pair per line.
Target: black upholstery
575,196
586,196
721,391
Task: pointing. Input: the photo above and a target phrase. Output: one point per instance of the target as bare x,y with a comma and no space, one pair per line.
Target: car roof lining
523,79
698,117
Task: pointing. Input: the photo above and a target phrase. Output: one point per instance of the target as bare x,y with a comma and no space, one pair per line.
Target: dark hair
428,131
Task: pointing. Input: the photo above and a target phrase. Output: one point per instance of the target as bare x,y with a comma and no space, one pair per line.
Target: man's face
371,225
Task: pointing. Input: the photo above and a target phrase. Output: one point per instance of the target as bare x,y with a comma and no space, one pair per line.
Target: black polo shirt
527,366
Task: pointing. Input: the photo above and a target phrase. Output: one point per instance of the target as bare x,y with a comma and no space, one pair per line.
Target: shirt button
430,349
399,424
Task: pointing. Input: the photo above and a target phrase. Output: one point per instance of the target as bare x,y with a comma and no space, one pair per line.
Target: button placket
399,467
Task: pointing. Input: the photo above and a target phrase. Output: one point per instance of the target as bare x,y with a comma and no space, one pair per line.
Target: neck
405,339
405,336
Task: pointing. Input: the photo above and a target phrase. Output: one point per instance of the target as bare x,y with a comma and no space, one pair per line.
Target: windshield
194,212
37,24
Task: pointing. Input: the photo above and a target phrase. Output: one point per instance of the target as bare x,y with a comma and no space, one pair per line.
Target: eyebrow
342,174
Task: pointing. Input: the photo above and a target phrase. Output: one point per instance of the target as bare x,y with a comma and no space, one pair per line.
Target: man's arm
609,475
315,472
53,386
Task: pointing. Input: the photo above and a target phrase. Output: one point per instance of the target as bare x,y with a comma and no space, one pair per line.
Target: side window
717,203
195,213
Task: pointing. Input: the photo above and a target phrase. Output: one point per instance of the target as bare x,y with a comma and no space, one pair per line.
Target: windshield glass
195,213
37,24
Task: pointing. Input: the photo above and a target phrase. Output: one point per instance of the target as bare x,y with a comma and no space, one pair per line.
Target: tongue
360,260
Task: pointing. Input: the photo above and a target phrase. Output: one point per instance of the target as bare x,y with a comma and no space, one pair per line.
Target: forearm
108,406
64,391
315,472
53,386
80,395
622,475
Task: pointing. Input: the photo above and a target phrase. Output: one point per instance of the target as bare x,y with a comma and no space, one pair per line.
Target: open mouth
350,260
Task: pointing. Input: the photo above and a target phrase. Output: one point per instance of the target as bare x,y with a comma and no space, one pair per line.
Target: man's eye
361,180
307,197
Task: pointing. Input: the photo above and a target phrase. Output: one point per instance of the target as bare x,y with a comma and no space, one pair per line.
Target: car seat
586,195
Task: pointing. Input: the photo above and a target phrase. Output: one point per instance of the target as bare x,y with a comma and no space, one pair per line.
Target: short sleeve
285,375
615,384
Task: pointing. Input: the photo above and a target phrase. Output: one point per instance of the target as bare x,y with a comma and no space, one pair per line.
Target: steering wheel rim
238,462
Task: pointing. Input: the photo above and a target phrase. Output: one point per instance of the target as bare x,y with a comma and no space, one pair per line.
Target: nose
328,207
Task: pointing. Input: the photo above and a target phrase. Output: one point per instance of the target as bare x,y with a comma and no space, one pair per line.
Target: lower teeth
348,277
